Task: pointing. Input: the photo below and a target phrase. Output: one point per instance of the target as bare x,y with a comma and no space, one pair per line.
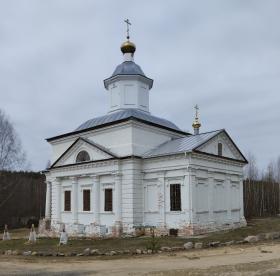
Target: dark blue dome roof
128,68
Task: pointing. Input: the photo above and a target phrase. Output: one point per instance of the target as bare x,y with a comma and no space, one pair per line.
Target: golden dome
128,47
196,124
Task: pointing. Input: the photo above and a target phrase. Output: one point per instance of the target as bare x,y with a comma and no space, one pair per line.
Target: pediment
95,151
229,149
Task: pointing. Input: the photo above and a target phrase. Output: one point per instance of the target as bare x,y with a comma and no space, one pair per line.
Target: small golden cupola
128,48
196,124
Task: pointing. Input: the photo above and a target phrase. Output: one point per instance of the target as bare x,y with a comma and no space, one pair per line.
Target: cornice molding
217,159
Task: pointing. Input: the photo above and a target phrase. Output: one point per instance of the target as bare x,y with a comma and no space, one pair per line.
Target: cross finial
196,124
196,111
127,27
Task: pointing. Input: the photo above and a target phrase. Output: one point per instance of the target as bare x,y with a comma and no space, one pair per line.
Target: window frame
89,200
67,201
220,149
108,205
175,197
86,154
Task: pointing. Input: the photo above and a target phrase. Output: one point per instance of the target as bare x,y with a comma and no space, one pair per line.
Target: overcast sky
222,55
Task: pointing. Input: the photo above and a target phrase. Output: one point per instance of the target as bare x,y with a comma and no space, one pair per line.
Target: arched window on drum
82,156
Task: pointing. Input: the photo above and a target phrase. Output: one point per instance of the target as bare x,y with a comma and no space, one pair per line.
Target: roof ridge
222,129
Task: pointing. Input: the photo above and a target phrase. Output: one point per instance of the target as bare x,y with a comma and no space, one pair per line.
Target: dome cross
196,124
127,27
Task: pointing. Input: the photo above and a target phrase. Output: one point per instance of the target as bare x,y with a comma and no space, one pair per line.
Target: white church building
129,170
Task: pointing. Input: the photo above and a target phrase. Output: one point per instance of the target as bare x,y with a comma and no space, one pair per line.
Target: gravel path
236,260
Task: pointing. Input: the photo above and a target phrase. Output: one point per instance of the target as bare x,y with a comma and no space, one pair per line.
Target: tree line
22,198
270,174
261,189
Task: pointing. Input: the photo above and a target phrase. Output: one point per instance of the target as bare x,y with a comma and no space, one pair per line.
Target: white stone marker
6,235
63,237
32,235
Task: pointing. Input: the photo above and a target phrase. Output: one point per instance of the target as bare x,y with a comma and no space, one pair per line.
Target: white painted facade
211,186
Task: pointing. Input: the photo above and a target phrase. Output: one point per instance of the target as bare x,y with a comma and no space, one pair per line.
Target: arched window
220,149
82,156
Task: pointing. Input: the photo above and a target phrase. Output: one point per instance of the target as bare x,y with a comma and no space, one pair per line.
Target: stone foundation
198,229
52,229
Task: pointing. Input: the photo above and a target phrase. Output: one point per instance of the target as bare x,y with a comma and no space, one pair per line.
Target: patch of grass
255,226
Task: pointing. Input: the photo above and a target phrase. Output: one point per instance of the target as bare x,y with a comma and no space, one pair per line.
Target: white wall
217,189
107,217
159,174
145,138
211,191
116,138
129,94
131,138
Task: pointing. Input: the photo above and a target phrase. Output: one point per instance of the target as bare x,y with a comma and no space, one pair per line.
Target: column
48,200
58,199
74,203
118,205
192,193
161,199
96,196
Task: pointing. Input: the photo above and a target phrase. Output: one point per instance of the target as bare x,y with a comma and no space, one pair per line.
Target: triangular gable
96,152
230,150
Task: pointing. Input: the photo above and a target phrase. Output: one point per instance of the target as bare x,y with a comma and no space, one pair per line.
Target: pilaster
96,198
75,199
57,183
192,194
48,200
241,199
211,196
228,197
118,191
161,199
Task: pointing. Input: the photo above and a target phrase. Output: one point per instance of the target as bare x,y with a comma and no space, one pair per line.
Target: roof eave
114,123
114,78
221,157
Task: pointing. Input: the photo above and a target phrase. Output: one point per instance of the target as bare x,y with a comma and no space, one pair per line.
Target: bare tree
270,173
251,170
277,170
12,156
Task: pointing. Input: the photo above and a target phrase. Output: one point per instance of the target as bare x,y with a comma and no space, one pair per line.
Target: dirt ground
20,236
259,259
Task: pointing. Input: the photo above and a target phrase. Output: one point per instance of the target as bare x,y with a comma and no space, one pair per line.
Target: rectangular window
220,149
67,201
108,200
175,197
86,200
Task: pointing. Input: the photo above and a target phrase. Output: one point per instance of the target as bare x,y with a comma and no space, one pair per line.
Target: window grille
67,201
86,200
175,197
108,200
